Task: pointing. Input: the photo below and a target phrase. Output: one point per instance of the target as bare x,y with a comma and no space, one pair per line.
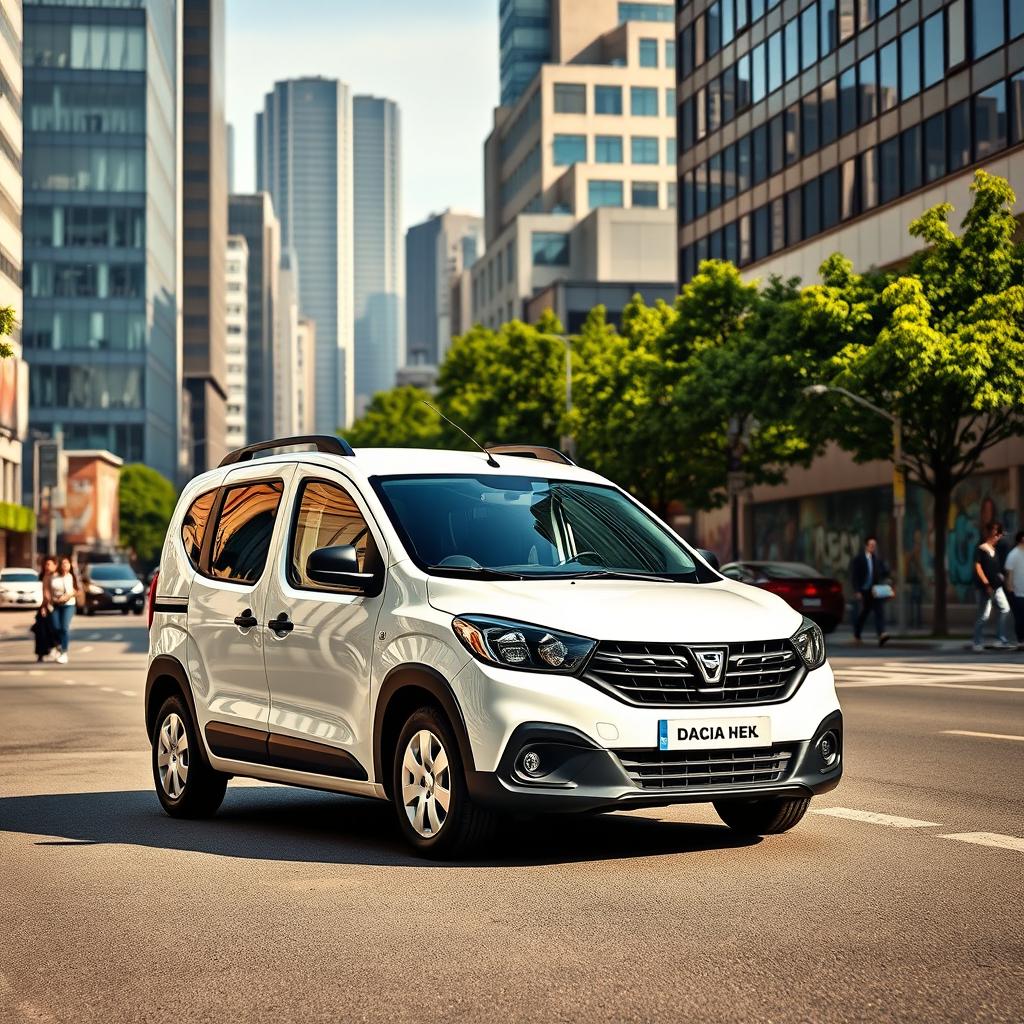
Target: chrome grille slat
675,769
665,675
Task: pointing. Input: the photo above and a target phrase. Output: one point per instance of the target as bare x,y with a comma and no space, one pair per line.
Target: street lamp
898,484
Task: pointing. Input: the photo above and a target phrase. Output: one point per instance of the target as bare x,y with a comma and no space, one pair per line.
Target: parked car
112,587
20,588
803,587
467,634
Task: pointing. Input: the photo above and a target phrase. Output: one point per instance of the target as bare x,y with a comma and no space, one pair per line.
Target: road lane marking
943,686
874,818
107,689
94,636
127,693
86,649
35,671
982,735
117,636
69,682
988,839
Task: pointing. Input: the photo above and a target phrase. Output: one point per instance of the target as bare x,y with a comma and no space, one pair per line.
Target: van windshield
520,527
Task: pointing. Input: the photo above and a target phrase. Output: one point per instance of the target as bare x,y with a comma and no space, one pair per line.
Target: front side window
193,526
326,516
244,529
530,528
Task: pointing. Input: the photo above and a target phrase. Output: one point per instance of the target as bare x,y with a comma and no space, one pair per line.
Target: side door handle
246,620
281,625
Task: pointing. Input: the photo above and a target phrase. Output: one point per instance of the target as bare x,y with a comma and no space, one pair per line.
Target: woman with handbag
869,576
63,587
42,628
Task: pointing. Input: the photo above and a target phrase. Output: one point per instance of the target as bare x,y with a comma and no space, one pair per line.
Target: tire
200,792
461,828
90,611
765,817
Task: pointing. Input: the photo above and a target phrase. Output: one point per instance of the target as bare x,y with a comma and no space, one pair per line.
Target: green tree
397,419
146,504
949,358
8,321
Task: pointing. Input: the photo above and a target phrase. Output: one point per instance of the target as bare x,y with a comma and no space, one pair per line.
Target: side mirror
336,566
710,557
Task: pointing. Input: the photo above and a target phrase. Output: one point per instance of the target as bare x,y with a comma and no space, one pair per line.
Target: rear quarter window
193,526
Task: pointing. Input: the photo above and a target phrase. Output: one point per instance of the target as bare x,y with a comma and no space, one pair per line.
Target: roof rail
329,444
531,451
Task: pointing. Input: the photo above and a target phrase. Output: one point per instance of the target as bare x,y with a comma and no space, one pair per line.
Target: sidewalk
841,642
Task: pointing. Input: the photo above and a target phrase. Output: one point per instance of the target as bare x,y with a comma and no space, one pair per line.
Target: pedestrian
869,575
988,579
63,586
42,627
1014,585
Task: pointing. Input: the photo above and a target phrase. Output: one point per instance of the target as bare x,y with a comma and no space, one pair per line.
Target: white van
467,634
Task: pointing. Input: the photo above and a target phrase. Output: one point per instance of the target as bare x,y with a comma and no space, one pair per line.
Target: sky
438,59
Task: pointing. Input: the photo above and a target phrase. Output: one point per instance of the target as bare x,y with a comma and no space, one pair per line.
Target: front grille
667,675
708,769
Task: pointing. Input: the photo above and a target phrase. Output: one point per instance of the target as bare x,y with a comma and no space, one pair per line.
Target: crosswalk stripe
988,839
919,682
874,818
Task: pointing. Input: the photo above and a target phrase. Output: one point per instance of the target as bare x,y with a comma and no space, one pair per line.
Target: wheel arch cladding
404,689
167,678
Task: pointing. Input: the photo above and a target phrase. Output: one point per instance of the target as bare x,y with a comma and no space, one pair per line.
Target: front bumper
580,775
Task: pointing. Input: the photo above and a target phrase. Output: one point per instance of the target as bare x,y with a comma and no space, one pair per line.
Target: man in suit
866,571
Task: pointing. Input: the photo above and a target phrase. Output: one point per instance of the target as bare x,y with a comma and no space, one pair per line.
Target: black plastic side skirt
239,743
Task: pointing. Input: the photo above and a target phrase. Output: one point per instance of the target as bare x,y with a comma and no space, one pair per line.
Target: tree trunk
942,496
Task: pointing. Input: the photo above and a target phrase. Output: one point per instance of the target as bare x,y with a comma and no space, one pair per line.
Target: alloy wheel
172,756
426,783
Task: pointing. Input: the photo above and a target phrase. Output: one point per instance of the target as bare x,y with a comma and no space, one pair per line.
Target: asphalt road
903,903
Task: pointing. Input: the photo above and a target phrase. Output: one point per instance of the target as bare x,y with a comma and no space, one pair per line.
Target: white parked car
20,588
467,634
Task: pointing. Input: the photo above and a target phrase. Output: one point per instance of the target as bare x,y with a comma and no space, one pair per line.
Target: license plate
120,599
714,733
812,602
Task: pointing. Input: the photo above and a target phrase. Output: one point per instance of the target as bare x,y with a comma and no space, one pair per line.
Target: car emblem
711,662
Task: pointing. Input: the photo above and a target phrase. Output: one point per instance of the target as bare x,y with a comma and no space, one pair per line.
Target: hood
625,610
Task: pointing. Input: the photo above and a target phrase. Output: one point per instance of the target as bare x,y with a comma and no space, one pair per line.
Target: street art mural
828,530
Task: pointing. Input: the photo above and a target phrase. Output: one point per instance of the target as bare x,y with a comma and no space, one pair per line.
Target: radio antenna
491,460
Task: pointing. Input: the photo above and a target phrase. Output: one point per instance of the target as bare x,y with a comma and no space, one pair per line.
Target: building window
670,195
570,99
847,101
569,149
1016,18
688,197
809,37
701,190
829,199
729,174
775,61
670,53
810,123
829,26
848,198
888,170
759,146
714,104
958,136
648,53
791,45
645,193
867,74
793,225
934,148
644,149
762,233
1017,98
607,99
549,248
888,77
743,164
990,121
715,182
671,153
911,158
869,179
608,149
776,144
646,12
910,63
791,120
828,124
604,193
758,76
670,101
989,29
729,93
934,50
812,208
743,82
643,101
956,34
713,28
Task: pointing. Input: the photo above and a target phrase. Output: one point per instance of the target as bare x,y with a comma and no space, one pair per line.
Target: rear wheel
428,789
764,817
186,785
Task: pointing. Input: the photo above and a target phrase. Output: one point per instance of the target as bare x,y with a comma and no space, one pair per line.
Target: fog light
531,762
828,747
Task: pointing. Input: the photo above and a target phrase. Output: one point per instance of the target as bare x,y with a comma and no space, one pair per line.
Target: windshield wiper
481,571
618,574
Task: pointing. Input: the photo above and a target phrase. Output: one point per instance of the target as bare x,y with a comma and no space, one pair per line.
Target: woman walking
62,588
43,629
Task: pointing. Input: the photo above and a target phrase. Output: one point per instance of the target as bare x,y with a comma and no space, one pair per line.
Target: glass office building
821,125
100,322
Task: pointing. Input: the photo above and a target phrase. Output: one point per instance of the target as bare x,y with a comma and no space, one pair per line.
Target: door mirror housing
710,557
337,566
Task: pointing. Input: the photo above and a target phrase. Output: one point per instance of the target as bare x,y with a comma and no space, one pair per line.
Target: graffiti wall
828,530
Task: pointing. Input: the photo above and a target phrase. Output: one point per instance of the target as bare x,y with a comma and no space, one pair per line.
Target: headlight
93,589
518,645
137,587
809,642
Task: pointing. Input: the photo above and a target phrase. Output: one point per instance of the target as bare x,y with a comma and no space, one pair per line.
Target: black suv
112,587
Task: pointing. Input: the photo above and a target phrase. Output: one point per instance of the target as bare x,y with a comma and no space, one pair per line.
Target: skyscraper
525,34
378,244
436,253
204,219
236,283
304,159
252,217
101,329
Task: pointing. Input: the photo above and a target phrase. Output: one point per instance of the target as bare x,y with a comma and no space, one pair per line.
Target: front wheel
428,790
186,785
764,817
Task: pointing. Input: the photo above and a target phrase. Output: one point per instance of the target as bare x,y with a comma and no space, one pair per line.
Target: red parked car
817,596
